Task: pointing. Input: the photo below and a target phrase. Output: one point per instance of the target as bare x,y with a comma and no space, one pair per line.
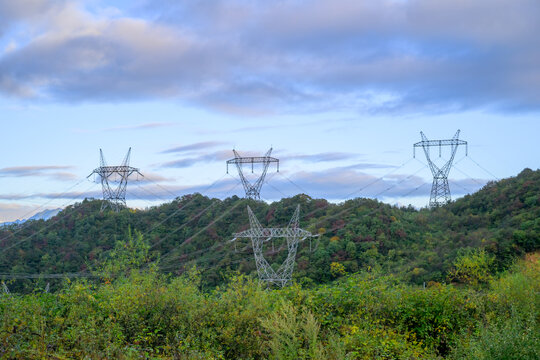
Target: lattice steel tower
440,191
115,196
253,190
260,235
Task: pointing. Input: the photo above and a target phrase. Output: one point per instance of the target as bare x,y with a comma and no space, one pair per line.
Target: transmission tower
440,191
260,235
114,181
252,190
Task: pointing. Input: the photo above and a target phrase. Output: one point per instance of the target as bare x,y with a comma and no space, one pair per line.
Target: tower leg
440,192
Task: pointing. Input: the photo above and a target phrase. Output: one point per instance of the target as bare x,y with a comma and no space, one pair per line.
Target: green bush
144,314
511,325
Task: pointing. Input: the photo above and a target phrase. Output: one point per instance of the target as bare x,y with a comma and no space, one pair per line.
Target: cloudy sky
339,88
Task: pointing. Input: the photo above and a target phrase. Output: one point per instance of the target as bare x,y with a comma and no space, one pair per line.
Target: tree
472,267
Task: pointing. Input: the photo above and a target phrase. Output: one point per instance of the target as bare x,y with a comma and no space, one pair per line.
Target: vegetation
145,314
457,282
494,225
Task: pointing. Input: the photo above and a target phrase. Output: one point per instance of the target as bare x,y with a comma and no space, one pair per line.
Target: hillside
419,246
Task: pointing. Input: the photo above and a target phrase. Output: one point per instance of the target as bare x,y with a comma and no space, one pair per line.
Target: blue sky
340,89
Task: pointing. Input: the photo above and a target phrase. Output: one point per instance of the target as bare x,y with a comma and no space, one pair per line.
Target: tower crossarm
252,160
111,170
450,142
252,190
270,233
425,144
260,235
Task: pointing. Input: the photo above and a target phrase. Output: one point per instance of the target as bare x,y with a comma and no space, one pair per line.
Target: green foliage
337,269
128,255
293,335
363,316
374,341
511,325
472,267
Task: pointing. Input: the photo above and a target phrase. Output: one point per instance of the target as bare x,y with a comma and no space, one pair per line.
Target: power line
24,275
470,177
342,212
58,218
148,192
216,256
481,167
364,187
376,195
178,211
52,199
161,187
204,228
371,212
380,193
378,179
21,276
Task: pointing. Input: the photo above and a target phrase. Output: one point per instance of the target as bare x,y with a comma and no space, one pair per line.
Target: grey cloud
194,147
224,155
321,157
222,189
363,166
260,57
187,162
196,157
12,11
54,172
146,126
336,184
30,170
149,177
340,184
110,61
63,176
420,55
70,195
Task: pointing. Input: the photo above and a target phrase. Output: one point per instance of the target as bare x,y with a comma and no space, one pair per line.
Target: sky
339,89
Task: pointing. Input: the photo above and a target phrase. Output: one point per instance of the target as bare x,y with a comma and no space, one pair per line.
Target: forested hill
503,218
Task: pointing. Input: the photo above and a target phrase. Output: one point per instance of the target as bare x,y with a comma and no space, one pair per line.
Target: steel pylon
260,235
440,190
253,191
114,181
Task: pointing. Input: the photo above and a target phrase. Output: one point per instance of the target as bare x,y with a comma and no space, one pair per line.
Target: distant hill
42,215
419,245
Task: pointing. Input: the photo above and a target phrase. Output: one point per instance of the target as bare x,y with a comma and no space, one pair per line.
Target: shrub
472,267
